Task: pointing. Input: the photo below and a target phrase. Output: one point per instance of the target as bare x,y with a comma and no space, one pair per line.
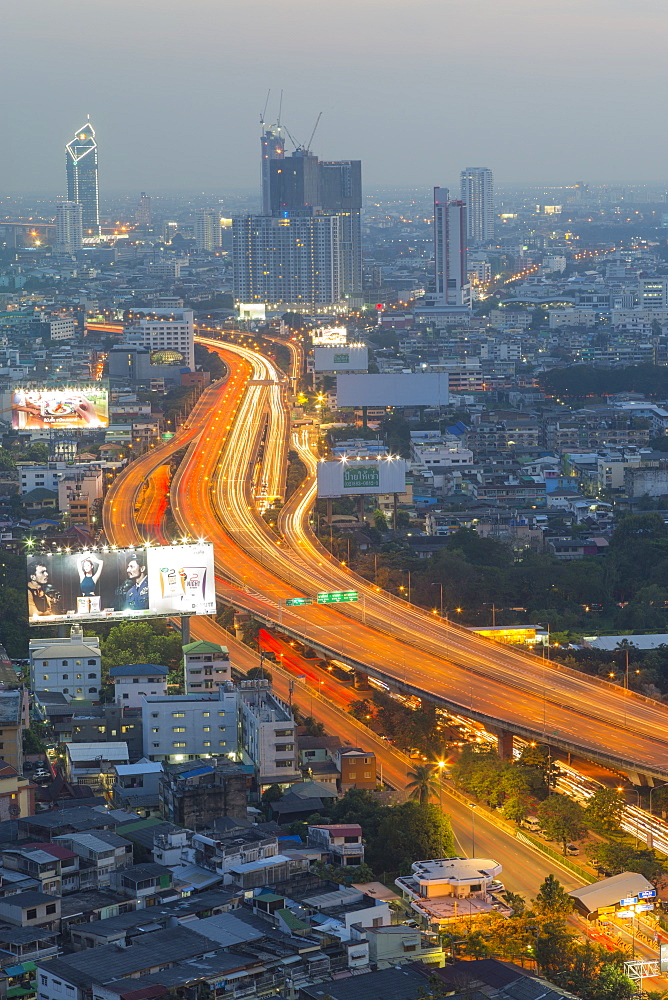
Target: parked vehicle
532,823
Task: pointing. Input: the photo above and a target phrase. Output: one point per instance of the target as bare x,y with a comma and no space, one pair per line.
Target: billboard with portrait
115,584
78,407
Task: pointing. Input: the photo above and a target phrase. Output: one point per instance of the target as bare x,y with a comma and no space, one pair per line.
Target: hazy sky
417,89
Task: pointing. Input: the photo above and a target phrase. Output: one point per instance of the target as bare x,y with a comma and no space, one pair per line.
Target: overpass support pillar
505,742
361,681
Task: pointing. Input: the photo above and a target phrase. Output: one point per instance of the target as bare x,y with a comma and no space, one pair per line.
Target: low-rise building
448,889
55,867
206,666
625,895
137,786
136,681
31,909
187,726
268,733
100,853
12,724
342,841
70,666
357,768
196,793
17,794
92,763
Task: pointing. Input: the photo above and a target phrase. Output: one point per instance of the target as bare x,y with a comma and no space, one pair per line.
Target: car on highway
495,886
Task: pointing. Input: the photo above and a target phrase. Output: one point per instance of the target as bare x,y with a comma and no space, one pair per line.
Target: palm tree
422,783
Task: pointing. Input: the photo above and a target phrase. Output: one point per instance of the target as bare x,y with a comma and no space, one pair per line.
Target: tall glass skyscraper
82,187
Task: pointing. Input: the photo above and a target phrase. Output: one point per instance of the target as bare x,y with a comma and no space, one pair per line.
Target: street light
636,792
440,585
472,805
440,764
651,792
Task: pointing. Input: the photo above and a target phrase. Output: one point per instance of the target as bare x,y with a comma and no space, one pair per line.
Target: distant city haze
417,89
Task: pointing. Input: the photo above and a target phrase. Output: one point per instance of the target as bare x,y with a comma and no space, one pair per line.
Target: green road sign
294,601
338,596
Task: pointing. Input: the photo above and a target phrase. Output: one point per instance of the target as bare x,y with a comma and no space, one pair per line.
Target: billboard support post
185,630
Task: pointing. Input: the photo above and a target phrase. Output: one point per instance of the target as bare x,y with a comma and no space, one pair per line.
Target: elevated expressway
515,692
212,496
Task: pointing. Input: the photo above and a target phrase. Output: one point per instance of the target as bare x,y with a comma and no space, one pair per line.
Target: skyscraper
450,251
68,227
301,184
143,210
272,146
292,261
208,232
477,193
82,177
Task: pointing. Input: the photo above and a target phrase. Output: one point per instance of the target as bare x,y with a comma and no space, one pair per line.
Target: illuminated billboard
325,335
79,407
361,477
115,584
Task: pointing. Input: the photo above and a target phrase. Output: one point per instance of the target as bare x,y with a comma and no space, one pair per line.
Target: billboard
78,407
115,584
401,389
366,476
345,357
324,335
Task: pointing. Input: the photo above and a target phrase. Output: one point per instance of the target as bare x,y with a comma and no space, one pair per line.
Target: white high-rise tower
69,227
450,263
477,192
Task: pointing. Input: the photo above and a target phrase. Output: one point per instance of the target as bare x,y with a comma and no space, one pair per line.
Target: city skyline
537,104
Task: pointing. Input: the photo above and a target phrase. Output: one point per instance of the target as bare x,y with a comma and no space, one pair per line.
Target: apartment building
206,666
69,666
182,727
268,733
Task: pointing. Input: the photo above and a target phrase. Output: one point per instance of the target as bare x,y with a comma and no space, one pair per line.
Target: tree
7,463
610,983
553,949
362,710
516,902
517,808
537,761
38,451
422,783
411,832
552,900
258,674
312,727
141,642
604,810
380,521
363,807
562,819
269,795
